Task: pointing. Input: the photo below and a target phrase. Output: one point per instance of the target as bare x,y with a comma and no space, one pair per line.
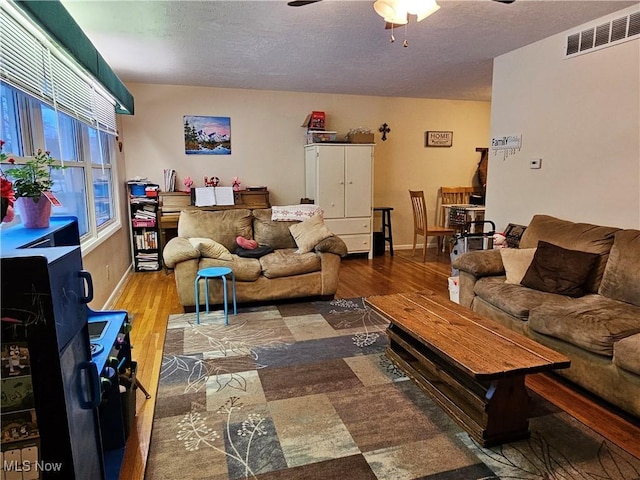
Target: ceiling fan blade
504,1
301,3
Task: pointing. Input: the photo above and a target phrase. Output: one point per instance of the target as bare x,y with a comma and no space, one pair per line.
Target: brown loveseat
208,239
598,329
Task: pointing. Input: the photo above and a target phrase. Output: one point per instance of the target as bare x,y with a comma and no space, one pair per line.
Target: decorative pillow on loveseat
309,232
559,270
516,262
210,248
584,237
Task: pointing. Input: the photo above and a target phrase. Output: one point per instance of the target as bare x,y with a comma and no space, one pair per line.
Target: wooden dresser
172,203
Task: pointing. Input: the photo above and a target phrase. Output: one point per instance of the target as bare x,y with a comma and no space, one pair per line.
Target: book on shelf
144,214
146,241
144,200
147,260
148,265
169,176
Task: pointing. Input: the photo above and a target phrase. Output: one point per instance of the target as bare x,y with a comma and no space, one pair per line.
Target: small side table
386,225
207,274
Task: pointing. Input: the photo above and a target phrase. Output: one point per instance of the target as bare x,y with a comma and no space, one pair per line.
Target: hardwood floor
150,298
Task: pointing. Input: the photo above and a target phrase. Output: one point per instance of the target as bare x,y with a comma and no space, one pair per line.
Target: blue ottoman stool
215,272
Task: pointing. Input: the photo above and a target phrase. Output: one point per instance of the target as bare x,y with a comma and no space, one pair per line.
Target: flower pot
34,213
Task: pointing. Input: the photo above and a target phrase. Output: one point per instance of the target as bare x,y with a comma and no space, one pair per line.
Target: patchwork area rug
304,391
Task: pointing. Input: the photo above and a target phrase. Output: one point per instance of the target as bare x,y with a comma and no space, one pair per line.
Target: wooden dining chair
455,195
421,225
452,196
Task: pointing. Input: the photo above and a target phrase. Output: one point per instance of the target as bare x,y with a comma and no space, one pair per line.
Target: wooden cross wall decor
384,129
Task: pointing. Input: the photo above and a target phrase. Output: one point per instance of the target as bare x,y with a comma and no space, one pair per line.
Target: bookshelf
143,224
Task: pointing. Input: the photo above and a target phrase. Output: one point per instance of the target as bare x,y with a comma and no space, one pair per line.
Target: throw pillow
516,261
309,232
211,249
559,270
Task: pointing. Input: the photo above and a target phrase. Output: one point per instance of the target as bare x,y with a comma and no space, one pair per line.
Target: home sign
438,139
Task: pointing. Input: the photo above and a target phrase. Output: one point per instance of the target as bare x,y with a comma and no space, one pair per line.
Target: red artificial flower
11,161
7,190
7,196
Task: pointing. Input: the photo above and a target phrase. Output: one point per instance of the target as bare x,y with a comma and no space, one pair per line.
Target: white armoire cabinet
339,178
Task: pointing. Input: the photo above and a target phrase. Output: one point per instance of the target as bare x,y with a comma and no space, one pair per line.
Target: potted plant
30,181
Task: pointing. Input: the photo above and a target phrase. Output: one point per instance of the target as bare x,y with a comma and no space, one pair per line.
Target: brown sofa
282,274
598,330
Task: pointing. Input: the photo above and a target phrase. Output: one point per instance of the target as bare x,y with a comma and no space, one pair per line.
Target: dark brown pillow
558,270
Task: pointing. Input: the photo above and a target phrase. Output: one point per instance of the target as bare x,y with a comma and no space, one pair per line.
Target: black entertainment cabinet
64,412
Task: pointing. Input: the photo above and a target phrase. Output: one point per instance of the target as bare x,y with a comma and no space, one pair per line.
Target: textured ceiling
327,47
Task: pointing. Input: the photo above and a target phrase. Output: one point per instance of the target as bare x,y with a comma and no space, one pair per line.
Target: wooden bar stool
386,225
207,274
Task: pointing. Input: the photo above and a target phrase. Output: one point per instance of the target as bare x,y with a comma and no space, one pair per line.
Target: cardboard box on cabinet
360,138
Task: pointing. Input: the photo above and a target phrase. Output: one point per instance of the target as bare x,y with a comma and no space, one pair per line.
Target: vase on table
34,212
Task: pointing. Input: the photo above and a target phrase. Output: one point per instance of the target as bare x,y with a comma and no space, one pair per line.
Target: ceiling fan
302,3
395,18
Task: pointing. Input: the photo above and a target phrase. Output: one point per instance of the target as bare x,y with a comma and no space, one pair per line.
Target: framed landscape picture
207,135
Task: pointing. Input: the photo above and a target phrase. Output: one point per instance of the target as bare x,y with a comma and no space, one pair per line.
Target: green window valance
60,25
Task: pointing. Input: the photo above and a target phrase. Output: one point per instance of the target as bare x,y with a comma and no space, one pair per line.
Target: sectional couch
585,306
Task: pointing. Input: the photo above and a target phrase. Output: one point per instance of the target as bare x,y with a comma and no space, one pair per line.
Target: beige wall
267,141
581,116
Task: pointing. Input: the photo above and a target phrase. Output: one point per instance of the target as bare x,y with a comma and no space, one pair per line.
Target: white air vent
599,36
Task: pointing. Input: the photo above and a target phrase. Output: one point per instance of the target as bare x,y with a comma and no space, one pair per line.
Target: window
85,186
48,101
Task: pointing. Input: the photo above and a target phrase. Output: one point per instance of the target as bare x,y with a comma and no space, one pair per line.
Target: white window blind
32,63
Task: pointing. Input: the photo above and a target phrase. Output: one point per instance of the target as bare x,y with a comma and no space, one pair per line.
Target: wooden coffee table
473,367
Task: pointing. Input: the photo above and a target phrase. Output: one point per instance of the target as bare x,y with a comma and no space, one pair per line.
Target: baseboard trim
116,291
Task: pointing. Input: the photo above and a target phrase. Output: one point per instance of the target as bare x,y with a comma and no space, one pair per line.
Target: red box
137,222
315,121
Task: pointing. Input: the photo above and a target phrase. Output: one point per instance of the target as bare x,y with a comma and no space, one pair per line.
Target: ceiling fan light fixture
384,8
427,8
396,11
397,20
392,11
